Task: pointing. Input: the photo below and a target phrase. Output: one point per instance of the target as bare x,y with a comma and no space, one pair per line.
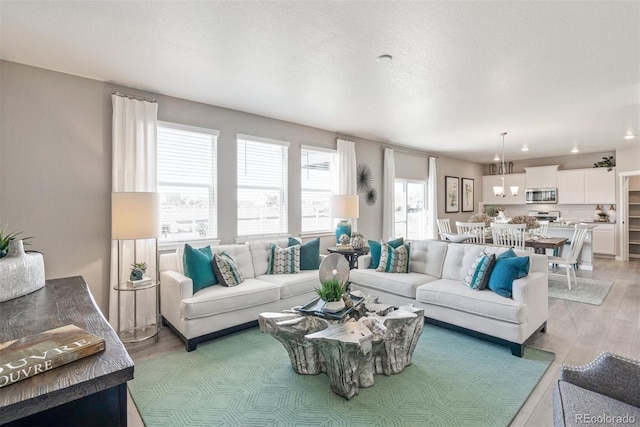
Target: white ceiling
553,74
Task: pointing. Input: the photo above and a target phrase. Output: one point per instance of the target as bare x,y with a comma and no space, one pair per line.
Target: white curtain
347,168
134,168
432,200
388,196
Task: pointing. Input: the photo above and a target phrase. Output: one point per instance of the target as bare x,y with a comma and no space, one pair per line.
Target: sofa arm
611,375
175,286
534,285
364,261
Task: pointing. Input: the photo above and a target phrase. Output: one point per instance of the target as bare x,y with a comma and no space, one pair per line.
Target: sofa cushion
259,250
293,284
427,256
460,256
309,253
579,406
222,299
394,260
455,295
376,247
399,284
284,260
241,255
226,270
197,267
478,275
508,268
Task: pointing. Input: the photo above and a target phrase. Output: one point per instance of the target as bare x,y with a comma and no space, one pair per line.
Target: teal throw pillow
197,267
394,260
309,253
505,272
284,260
478,275
375,248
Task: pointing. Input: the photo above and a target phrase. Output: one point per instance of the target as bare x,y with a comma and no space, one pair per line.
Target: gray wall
55,166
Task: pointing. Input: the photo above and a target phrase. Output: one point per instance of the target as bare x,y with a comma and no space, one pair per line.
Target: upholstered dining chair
571,258
473,228
511,235
444,226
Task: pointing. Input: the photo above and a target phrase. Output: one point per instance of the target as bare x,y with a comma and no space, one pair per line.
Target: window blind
262,186
187,182
316,187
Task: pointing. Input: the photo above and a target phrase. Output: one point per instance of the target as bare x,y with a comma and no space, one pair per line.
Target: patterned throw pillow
284,260
226,270
394,260
478,275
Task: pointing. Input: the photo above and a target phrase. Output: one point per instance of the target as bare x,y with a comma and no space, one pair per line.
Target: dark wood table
541,245
89,391
350,254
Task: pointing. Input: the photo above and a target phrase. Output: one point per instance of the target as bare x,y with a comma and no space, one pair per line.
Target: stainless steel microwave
541,195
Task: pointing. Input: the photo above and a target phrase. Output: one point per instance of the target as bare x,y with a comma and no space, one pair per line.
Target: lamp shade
135,215
345,206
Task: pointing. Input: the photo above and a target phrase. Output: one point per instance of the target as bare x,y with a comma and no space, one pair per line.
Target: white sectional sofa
435,283
217,309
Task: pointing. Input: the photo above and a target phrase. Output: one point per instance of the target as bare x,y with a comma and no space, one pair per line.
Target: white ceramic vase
611,214
20,273
333,306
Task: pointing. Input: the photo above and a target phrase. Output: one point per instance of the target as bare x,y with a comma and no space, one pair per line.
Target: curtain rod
410,151
138,98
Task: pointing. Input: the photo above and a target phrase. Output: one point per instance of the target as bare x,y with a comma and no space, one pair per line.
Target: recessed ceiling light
575,150
384,58
525,148
629,135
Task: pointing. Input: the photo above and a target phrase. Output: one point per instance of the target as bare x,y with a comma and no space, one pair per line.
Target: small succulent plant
330,291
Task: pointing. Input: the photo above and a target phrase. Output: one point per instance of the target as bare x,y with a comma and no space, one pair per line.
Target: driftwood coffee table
370,339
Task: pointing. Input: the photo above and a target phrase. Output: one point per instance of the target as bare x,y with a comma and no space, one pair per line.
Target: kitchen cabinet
604,239
571,186
541,176
599,186
489,181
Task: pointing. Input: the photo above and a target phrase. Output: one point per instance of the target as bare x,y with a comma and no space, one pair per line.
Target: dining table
541,244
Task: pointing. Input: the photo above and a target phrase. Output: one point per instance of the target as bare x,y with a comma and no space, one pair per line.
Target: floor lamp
134,216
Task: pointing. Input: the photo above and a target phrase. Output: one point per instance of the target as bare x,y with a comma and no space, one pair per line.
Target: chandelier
499,191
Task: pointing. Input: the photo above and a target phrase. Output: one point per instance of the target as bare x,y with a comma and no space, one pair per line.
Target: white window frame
405,221
212,232
331,229
283,190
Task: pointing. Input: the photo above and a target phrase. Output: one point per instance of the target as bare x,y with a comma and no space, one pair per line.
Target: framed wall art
467,195
451,198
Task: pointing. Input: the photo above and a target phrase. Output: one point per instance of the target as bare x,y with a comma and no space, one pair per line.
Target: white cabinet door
604,239
599,186
571,187
541,176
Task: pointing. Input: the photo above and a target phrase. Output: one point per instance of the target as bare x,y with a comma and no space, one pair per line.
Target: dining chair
543,230
568,261
511,235
472,228
444,226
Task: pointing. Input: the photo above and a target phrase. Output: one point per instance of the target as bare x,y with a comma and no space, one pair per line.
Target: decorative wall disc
364,177
371,197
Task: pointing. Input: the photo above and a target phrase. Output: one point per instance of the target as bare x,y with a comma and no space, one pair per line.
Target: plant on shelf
5,239
606,162
137,270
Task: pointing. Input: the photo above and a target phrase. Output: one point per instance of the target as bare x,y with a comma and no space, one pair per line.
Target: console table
90,390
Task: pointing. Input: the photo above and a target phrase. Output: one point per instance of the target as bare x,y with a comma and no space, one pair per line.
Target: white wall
55,166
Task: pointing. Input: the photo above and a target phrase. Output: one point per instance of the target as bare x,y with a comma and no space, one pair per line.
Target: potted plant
137,270
5,239
331,293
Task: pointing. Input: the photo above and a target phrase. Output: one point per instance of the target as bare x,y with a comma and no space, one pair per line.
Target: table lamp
345,207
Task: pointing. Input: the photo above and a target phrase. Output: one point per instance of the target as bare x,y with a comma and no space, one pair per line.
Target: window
262,186
410,208
316,188
187,182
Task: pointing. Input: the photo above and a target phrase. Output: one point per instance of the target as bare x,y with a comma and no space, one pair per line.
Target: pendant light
500,191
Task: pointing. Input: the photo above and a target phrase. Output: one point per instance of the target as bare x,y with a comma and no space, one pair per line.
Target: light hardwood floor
576,333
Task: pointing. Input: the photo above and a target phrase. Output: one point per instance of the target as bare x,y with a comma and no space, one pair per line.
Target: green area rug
245,379
588,291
